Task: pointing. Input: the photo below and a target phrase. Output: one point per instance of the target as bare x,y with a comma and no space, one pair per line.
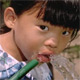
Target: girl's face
38,39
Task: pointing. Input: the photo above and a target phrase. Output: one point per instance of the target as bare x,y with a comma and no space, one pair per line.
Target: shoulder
3,56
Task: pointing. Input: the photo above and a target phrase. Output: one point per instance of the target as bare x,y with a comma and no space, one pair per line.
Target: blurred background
72,52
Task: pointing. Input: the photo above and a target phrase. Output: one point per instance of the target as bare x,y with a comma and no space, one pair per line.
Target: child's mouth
43,57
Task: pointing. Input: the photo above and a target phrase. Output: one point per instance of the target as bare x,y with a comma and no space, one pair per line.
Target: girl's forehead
56,15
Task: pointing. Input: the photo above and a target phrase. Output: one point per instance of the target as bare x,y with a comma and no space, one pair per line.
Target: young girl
35,30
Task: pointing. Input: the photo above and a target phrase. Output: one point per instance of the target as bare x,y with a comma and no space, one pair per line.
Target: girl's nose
52,42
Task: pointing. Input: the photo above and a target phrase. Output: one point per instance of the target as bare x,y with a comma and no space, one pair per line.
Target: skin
31,37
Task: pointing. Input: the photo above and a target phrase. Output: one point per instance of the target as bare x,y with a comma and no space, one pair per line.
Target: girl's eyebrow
41,21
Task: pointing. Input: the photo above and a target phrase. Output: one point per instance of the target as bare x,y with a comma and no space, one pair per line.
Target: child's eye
44,27
66,33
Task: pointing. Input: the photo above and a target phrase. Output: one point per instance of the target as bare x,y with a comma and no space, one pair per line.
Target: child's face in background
38,39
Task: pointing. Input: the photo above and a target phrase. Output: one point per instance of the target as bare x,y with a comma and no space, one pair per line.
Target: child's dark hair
57,12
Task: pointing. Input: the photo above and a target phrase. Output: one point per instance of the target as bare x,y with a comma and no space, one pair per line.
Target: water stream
65,67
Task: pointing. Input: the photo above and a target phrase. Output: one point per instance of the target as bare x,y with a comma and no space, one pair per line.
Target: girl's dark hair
56,12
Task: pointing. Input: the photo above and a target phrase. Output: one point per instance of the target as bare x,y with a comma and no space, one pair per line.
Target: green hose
23,71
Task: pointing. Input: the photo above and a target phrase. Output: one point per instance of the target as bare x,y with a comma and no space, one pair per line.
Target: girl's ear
10,17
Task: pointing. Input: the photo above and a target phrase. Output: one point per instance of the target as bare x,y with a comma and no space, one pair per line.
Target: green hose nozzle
23,71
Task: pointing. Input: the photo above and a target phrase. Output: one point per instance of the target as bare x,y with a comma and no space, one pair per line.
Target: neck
8,44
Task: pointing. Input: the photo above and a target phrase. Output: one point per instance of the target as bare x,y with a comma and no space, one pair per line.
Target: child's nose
52,42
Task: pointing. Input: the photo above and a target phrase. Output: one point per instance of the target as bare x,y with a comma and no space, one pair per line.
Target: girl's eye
45,28
66,33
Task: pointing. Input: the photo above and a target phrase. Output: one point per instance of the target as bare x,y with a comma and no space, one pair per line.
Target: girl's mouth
43,57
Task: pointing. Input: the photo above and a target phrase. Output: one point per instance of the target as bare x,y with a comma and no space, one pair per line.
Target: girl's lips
43,58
